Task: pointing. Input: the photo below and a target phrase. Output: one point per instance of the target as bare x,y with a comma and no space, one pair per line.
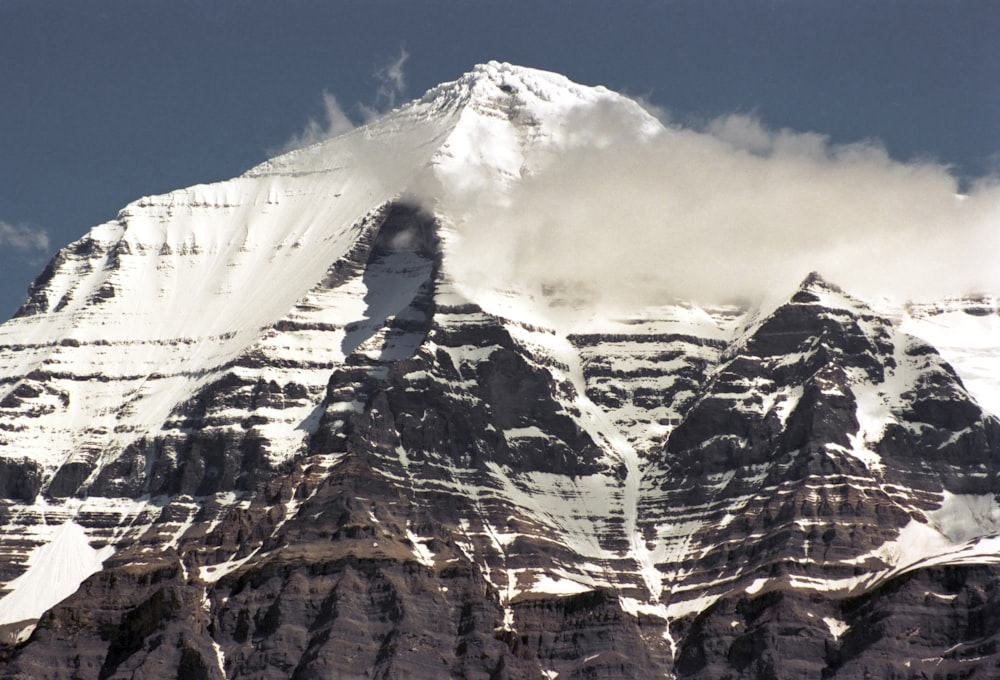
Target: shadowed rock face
460,505
934,622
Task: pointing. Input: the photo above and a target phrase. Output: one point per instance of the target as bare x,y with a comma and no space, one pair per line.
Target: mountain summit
267,428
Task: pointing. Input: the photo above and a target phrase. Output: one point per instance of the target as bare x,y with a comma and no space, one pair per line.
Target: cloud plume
335,123
391,85
391,81
731,211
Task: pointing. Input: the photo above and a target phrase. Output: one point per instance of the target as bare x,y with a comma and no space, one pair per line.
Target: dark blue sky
104,101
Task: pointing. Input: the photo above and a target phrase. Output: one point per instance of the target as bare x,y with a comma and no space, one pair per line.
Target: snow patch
963,517
55,571
545,583
420,549
915,541
836,626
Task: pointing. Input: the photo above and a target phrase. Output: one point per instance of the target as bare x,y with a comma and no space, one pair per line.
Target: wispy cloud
731,210
334,123
24,239
391,86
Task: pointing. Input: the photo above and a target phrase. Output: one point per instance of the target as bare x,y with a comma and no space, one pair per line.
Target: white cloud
392,74
23,239
731,211
335,123
391,81
391,86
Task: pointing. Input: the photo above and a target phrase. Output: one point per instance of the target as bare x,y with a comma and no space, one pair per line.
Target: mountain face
263,429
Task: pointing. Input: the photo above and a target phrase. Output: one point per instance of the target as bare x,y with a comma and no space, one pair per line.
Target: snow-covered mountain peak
815,280
817,290
503,86
485,129
814,289
512,119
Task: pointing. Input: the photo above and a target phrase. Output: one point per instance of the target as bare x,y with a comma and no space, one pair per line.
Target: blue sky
102,102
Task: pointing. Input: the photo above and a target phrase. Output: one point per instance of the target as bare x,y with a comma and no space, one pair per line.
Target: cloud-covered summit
565,187
728,211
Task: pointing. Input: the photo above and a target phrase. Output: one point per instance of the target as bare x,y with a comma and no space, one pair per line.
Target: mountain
269,428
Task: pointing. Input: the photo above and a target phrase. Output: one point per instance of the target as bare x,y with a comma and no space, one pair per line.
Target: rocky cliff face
370,470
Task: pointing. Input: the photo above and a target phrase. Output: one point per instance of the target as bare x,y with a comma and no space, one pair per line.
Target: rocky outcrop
934,622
